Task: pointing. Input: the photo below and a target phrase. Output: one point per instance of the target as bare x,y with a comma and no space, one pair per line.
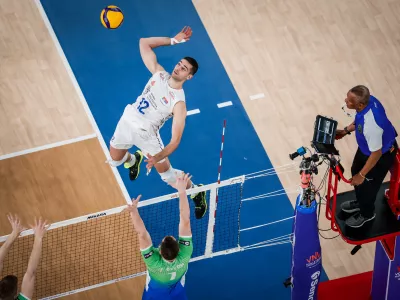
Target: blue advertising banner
306,253
381,268
393,289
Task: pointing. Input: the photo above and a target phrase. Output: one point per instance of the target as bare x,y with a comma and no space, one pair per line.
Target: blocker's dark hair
169,248
8,287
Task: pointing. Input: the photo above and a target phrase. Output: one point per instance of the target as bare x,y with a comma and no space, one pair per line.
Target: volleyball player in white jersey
162,98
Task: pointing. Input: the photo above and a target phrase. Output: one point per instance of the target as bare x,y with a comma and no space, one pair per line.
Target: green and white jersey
163,273
22,297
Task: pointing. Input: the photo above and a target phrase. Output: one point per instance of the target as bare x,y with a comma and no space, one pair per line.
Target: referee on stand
377,148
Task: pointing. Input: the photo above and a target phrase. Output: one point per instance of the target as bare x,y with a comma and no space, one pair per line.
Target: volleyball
111,17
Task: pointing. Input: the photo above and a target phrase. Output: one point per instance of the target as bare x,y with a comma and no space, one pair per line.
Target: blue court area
111,74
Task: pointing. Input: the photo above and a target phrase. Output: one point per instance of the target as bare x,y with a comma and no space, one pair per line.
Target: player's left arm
185,231
184,209
138,224
178,126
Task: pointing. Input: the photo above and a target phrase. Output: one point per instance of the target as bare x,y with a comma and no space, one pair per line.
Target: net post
211,222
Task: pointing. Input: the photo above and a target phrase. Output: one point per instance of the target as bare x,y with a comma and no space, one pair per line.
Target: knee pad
171,175
117,163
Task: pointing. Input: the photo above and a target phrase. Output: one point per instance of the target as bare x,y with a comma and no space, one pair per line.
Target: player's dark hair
169,248
194,64
8,287
362,93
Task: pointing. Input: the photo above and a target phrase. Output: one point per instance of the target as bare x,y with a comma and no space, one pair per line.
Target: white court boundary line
224,104
193,112
116,210
48,146
81,97
257,96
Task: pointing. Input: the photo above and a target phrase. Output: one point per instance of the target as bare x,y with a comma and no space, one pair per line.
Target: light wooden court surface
302,55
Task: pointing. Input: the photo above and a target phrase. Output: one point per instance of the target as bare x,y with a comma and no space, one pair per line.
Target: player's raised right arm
28,282
146,46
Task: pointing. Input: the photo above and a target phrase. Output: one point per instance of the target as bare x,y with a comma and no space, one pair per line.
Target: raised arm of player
178,126
184,209
138,225
28,282
146,46
16,230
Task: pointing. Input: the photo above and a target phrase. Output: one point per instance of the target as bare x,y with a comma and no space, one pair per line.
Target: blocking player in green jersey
167,264
9,284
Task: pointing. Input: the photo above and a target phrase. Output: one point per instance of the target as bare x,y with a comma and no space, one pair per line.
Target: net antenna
213,204
220,154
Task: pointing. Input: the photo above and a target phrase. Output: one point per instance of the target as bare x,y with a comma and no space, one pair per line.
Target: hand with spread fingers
182,36
15,224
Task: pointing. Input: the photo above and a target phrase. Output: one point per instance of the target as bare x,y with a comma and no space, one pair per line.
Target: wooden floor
303,55
59,183
39,104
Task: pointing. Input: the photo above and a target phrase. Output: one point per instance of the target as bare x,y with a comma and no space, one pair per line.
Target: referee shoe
350,206
357,220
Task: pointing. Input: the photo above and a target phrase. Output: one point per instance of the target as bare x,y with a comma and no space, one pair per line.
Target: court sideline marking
48,146
258,96
224,104
193,112
81,98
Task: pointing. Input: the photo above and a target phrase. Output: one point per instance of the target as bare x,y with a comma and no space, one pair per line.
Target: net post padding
211,223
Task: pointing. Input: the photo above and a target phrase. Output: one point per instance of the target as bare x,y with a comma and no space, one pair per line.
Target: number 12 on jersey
143,105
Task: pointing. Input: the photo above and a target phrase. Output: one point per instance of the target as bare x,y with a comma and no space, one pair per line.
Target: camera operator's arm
340,133
351,127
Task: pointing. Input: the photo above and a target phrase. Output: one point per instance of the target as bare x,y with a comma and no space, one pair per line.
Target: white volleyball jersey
155,105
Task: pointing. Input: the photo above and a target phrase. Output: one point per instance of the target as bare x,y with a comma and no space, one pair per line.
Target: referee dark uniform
377,147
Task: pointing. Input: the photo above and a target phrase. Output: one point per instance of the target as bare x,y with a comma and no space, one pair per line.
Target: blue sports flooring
111,74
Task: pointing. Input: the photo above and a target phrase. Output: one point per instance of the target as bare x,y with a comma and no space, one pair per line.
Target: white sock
129,163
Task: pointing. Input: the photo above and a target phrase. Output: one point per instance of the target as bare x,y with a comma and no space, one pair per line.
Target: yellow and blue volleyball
111,17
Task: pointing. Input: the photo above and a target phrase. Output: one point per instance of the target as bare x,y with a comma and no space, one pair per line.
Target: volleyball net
102,248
